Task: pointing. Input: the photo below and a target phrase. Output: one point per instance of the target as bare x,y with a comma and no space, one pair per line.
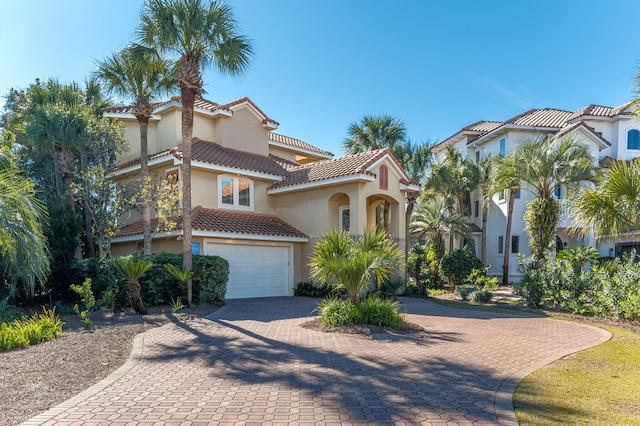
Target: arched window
384,177
633,139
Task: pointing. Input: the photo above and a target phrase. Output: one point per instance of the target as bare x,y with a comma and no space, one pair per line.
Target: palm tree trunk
411,202
188,101
483,242
90,245
507,238
143,122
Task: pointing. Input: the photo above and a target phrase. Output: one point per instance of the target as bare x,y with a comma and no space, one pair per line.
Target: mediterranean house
611,133
261,199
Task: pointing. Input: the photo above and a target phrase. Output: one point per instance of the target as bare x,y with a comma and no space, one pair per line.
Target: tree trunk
411,202
188,100
507,238
143,122
90,245
483,242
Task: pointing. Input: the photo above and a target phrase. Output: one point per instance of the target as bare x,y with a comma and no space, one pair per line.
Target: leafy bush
158,287
9,313
86,295
480,296
621,293
310,289
38,328
479,278
463,291
458,264
370,310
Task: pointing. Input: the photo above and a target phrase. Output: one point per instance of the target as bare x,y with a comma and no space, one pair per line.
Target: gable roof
297,143
226,222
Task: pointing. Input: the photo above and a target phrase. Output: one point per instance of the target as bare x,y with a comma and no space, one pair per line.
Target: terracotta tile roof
483,126
297,143
212,153
322,170
283,162
227,221
600,111
475,228
136,161
547,117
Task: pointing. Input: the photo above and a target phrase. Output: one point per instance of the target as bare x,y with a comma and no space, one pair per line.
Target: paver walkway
252,363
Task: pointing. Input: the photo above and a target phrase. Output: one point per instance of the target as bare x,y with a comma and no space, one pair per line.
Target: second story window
633,139
235,193
503,147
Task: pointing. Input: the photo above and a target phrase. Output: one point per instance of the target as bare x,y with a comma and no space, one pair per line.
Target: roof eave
292,148
322,183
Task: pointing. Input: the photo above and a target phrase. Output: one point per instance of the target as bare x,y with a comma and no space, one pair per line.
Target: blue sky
320,66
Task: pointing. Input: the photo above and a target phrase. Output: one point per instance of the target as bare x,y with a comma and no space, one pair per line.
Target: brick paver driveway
252,363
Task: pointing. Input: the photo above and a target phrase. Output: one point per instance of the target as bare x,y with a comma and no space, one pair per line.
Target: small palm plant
353,263
183,275
132,268
579,256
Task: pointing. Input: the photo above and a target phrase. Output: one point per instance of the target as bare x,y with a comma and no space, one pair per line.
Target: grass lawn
598,386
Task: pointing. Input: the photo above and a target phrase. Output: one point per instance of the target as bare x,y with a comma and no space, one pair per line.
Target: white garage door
254,270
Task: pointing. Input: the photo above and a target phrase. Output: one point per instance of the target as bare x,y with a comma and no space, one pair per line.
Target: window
477,156
517,193
500,244
344,218
477,207
633,139
502,195
557,191
515,244
235,193
503,147
384,177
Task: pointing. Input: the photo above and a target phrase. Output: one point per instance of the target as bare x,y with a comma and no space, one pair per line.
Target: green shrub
463,291
458,264
479,278
86,295
22,333
310,289
480,296
158,287
370,310
8,312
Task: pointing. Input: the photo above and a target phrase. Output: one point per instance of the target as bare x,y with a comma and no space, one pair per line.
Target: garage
254,270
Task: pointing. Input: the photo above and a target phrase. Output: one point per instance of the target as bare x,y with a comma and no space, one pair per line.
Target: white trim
269,125
506,127
236,193
297,149
321,183
236,171
410,187
128,116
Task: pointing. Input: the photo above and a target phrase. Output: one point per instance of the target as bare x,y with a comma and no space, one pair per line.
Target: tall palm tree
415,159
24,258
200,34
612,207
544,165
453,179
375,132
504,177
485,171
138,72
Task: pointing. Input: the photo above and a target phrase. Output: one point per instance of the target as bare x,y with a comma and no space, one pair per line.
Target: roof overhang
213,234
362,177
300,150
234,170
508,127
168,157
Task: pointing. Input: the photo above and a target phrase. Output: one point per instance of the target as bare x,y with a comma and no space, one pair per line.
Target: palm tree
432,222
613,206
375,132
200,35
504,177
485,171
415,159
354,263
24,258
579,256
453,179
132,269
138,72
544,165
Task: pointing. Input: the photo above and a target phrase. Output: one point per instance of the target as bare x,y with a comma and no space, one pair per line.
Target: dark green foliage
159,287
310,289
463,291
541,218
458,264
480,296
479,278
369,310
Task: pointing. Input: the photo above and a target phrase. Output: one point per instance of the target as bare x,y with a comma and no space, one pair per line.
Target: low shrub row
22,333
158,287
610,289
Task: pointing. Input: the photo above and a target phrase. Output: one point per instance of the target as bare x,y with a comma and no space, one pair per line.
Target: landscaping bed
39,377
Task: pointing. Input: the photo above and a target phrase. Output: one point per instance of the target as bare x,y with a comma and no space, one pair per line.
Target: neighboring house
611,133
261,199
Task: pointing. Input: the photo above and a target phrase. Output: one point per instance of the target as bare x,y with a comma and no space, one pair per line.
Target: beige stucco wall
243,131
282,153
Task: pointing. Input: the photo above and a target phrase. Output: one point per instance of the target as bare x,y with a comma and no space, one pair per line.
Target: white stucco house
611,133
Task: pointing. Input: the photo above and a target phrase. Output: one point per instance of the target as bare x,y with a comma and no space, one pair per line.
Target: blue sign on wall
195,248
